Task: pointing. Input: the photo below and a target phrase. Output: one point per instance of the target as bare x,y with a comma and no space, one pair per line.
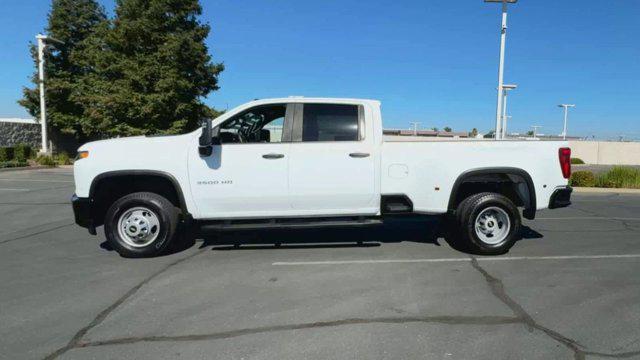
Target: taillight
565,161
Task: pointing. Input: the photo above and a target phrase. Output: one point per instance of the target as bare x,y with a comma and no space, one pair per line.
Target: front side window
330,122
261,124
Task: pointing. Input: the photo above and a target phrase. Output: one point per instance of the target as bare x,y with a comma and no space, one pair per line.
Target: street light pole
566,115
504,126
43,104
505,117
415,128
535,130
503,39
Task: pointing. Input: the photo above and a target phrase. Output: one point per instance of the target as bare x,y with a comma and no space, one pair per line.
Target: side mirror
215,136
206,139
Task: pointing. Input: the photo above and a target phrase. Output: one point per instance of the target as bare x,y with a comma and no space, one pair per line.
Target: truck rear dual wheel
486,224
141,224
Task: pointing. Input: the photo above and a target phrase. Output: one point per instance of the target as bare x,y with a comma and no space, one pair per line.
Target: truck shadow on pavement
409,229
427,230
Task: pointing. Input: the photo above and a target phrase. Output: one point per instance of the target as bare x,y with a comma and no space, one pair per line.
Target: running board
293,223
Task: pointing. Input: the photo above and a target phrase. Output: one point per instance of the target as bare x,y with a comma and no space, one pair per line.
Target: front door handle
359,155
273,156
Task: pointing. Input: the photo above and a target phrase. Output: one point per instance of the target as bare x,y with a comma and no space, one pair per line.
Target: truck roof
300,99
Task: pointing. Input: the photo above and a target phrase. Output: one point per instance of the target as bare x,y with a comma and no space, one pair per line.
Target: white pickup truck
306,162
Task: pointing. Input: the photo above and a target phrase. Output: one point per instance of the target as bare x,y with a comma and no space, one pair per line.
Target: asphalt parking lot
569,289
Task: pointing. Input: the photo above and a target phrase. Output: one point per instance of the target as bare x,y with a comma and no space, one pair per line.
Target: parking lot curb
606,190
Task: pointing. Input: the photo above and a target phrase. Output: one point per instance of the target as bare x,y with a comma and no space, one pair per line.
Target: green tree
447,129
473,133
152,70
72,22
434,129
530,133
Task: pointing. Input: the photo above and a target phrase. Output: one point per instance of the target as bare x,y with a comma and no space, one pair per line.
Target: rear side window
330,122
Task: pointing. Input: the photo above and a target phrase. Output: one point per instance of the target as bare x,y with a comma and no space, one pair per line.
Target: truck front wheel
487,223
141,224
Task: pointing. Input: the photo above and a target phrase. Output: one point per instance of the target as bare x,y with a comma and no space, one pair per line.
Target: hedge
620,177
22,152
583,179
12,164
6,154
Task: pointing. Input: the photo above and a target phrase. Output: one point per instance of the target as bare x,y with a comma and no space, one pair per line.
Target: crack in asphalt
589,212
628,226
495,285
625,224
450,320
36,233
498,290
76,339
614,356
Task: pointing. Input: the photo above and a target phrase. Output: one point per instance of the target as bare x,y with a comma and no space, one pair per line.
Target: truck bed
425,169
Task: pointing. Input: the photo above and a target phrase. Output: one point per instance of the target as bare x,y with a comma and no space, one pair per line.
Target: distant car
306,162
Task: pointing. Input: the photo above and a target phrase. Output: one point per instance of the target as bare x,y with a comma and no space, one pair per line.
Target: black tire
464,223
166,213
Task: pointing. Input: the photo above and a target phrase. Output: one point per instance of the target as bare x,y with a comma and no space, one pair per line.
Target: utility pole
503,39
505,91
42,39
535,131
504,127
415,127
566,115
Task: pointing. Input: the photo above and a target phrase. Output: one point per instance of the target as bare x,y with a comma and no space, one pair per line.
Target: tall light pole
42,40
504,126
535,130
505,117
415,127
503,38
566,115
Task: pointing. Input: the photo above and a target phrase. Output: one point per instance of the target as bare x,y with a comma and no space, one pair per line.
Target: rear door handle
359,155
273,156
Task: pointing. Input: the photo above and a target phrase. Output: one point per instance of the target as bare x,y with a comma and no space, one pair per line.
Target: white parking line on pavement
408,261
34,180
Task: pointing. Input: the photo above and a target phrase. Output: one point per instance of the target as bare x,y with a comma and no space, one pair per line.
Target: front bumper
82,213
561,198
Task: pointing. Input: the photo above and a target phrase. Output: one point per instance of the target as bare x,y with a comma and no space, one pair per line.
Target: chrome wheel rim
138,227
492,225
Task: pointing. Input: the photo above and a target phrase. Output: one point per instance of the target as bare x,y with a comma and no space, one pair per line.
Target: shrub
6,154
583,178
22,152
577,161
620,177
46,160
12,164
63,159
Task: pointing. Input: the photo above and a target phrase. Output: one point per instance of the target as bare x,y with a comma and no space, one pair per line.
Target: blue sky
429,61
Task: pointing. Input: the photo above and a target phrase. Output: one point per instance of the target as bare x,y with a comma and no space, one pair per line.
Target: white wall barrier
606,152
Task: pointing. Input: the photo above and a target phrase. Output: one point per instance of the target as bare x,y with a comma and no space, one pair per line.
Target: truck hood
137,142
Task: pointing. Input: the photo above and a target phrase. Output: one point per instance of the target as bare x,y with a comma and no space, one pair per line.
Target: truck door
246,176
331,164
